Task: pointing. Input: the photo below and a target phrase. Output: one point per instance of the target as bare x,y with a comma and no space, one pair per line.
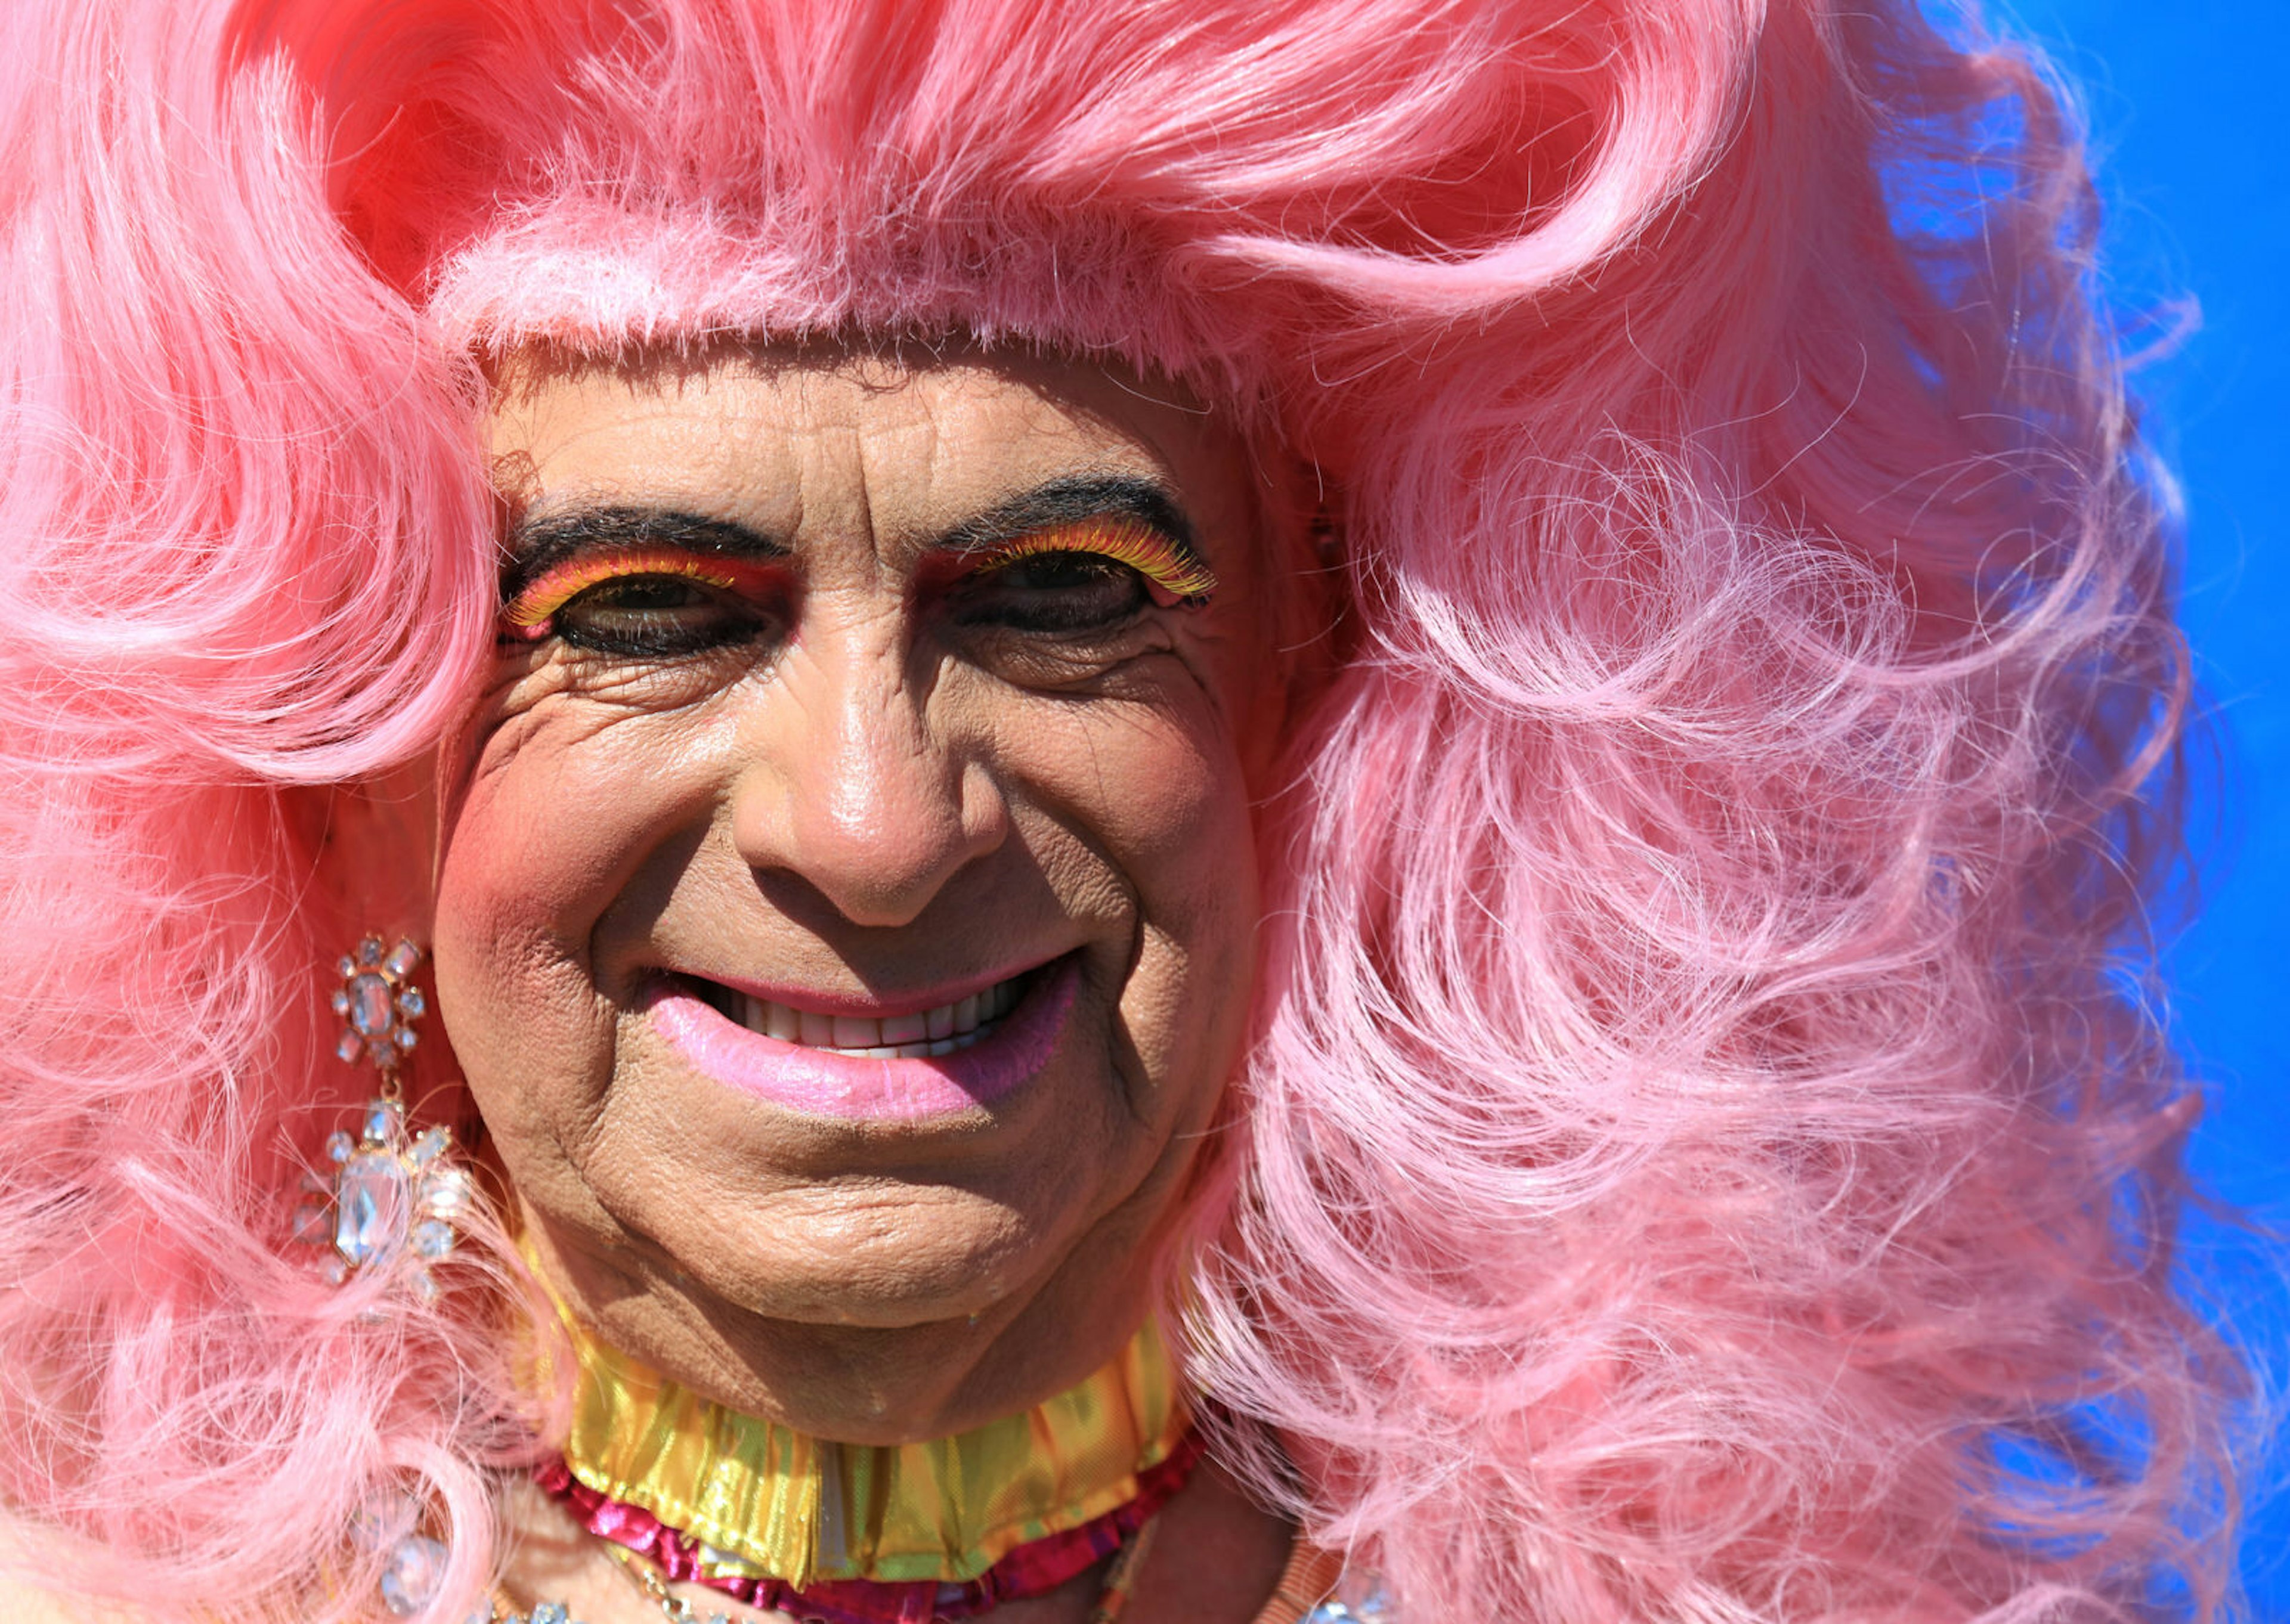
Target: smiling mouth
914,1066
946,1030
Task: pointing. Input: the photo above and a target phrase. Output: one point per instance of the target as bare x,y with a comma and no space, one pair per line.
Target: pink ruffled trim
1033,1569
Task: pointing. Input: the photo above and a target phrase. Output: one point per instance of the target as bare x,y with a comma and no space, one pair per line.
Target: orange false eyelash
529,612
1125,540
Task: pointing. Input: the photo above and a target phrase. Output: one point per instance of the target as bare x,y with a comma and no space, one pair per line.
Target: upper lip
870,1005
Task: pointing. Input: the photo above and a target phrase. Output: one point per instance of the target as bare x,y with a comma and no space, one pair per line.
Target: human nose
850,789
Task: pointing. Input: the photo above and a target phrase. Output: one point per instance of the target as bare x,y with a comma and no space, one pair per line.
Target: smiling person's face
846,912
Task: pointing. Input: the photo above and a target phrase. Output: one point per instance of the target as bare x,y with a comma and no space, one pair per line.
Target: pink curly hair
1709,1154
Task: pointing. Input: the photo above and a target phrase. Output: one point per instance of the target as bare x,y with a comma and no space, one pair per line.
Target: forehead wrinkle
990,438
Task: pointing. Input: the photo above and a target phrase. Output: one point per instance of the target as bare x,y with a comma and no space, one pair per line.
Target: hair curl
1707,1156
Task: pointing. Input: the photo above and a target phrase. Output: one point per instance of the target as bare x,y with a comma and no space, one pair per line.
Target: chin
893,1266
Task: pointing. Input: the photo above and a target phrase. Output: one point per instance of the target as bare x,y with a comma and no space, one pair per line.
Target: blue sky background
2189,116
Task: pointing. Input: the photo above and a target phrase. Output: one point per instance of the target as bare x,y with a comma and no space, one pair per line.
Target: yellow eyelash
530,610
1140,546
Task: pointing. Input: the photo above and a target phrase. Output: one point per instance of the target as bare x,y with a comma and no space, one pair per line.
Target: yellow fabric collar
772,1502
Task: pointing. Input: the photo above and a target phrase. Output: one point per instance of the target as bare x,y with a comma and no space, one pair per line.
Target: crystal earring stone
1359,1599
378,1002
416,1564
394,1198
370,1205
392,1202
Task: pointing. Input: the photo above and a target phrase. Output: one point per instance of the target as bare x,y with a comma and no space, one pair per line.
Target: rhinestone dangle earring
393,1199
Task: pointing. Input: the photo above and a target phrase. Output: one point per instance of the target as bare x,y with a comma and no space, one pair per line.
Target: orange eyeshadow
528,611
1125,540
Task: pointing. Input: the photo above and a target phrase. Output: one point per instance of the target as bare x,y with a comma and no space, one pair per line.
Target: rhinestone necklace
1314,1589
1112,1601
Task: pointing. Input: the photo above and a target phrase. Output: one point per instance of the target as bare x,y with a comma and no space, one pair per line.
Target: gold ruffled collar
775,1503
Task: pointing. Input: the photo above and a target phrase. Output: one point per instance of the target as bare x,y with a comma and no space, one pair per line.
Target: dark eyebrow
535,544
1072,500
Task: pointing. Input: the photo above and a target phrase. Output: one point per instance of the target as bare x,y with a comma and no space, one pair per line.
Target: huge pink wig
1708,1154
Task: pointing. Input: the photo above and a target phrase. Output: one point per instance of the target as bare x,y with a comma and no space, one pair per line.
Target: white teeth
905,1037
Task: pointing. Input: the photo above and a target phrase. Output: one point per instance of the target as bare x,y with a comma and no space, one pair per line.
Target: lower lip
822,1083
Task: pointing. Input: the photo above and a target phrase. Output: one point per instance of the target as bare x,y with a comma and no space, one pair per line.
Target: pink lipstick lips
877,1085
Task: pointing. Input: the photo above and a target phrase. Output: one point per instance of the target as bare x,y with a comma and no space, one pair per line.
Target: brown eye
659,616
1054,592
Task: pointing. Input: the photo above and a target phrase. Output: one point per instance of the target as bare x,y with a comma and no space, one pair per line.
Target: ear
1303,525
376,845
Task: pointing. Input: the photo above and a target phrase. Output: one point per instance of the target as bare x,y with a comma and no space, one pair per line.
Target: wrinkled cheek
528,853
1186,839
